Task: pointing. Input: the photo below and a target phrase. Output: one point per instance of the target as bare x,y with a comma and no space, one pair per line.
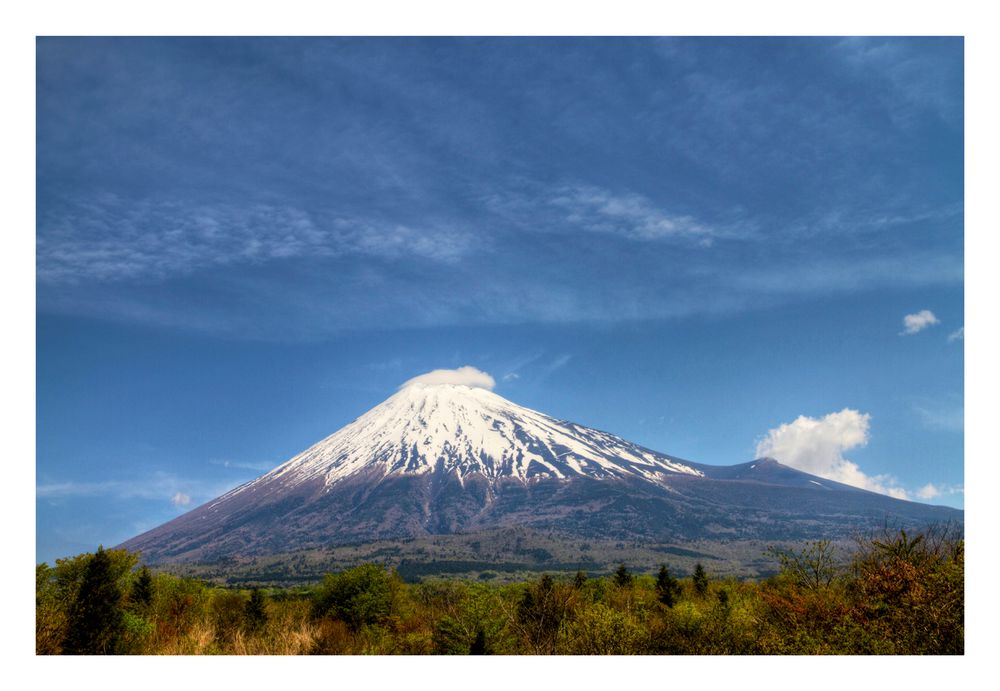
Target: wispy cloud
569,208
159,486
916,78
948,416
932,491
917,322
628,215
107,238
242,465
957,335
629,179
537,366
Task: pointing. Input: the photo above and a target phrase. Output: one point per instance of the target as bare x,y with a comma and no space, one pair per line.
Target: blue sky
708,246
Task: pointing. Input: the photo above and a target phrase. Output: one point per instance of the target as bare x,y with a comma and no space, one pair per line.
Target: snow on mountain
462,430
445,455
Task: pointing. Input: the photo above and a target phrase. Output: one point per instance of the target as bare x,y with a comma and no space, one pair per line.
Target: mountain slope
444,458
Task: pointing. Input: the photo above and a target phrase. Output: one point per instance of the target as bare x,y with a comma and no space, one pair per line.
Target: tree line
897,594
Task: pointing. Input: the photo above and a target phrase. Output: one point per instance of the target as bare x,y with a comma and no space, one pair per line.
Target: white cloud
465,376
932,491
817,446
928,491
180,499
958,335
919,321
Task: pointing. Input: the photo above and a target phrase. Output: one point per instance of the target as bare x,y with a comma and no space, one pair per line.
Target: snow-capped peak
447,428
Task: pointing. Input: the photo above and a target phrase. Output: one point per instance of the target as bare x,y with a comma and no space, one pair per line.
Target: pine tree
478,646
623,579
141,596
96,617
255,614
700,579
667,587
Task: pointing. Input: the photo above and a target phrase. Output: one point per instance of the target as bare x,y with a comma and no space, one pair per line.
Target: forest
894,594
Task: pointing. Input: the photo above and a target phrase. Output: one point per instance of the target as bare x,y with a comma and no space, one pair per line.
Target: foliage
898,594
812,567
358,596
600,630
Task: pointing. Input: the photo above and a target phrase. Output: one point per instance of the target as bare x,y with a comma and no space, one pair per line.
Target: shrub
600,630
910,591
359,596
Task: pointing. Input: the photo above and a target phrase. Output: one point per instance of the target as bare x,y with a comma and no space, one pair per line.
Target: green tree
359,596
96,617
579,580
255,612
141,597
700,580
540,613
623,579
667,587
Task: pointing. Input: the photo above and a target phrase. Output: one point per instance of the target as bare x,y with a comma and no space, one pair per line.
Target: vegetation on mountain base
901,594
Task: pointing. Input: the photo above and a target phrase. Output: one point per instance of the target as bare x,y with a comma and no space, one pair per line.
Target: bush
359,596
910,592
600,630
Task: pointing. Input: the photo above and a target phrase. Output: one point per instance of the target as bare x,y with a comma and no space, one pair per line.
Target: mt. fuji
444,455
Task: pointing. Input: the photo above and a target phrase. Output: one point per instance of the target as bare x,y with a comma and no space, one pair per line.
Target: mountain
438,459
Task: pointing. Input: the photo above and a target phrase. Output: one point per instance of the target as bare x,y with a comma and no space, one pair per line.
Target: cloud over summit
464,376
